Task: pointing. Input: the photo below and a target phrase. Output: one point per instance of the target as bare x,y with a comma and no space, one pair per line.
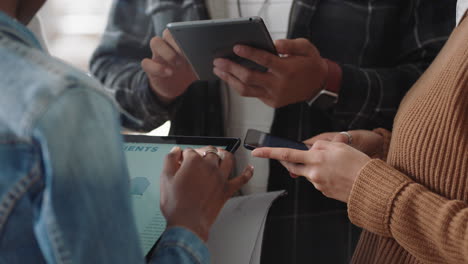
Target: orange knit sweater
414,206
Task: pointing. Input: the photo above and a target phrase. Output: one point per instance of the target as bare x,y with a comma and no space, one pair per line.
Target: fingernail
168,72
237,49
174,149
249,170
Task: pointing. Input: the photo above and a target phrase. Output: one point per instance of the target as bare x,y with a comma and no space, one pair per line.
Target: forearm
179,245
387,202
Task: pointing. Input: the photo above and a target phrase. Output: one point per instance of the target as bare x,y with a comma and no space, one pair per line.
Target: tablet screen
145,160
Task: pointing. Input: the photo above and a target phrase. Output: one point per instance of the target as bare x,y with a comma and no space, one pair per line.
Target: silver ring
350,138
214,151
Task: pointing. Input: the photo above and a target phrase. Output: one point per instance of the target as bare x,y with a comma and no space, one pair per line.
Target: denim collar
12,28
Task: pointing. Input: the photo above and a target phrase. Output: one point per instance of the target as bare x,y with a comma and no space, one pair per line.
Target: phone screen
257,139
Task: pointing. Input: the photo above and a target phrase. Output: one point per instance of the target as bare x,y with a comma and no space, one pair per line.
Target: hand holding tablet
204,41
168,72
241,53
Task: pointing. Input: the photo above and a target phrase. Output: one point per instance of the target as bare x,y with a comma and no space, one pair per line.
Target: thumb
167,36
235,184
298,47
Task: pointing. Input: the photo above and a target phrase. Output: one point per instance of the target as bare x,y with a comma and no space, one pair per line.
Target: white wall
275,14
73,28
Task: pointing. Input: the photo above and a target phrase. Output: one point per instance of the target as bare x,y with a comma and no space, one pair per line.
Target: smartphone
205,40
257,139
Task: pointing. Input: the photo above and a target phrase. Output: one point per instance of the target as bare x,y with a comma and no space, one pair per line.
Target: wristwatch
324,100
328,96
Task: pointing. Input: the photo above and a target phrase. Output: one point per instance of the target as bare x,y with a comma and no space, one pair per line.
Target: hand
331,167
365,141
168,71
296,76
195,188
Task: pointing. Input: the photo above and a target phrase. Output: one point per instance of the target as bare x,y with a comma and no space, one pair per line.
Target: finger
283,154
163,50
201,151
189,158
295,168
227,163
243,74
223,153
261,57
323,136
167,36
341,138
294,176
321,145
172,162
211,156
298,47
234,83
155,69
235,184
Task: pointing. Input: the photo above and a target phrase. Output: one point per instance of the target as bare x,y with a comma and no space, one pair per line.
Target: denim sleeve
84,214
370,96
179,245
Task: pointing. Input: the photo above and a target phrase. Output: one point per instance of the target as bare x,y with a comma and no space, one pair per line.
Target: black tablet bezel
232,144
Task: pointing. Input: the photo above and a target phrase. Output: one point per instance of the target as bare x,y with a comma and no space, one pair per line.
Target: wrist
164,100
334,77
327,97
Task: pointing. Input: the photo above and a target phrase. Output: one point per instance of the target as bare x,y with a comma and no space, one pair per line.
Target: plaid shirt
383,46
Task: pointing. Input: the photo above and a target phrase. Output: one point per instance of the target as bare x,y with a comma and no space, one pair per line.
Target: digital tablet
203,41
145,158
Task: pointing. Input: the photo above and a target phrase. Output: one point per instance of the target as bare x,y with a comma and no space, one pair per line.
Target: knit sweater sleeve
429,226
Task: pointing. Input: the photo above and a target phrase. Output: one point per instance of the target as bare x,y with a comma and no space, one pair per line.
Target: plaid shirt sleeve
125,43
369,97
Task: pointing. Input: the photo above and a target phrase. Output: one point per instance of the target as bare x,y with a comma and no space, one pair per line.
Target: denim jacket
64,194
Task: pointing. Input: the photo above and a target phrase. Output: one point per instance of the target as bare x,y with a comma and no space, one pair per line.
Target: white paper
237,235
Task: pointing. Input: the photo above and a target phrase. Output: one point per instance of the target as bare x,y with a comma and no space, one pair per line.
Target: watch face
325,101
